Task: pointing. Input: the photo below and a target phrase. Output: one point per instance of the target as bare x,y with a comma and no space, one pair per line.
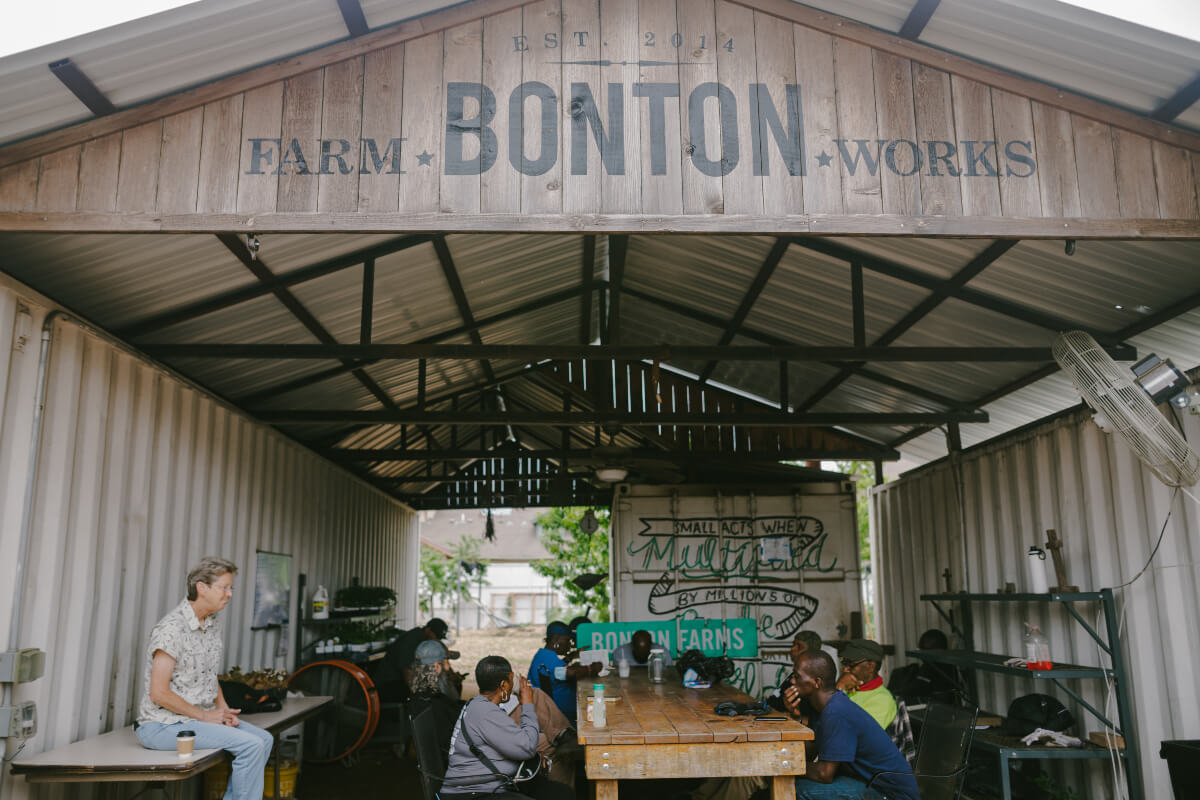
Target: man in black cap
862,683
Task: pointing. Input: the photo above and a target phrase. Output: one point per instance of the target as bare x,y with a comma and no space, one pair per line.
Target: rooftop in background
516,532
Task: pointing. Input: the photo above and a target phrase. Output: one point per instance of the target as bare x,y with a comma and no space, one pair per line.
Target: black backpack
1031,711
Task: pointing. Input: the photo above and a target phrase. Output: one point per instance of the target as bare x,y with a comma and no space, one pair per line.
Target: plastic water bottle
657,662
1037,648
599,712
320,608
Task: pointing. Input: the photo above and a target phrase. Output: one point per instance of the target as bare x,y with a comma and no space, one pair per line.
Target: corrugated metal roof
1100,56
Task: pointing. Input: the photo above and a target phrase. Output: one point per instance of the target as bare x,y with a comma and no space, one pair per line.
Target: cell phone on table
770,718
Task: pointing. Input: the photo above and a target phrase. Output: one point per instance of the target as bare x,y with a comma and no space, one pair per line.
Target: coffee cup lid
182,734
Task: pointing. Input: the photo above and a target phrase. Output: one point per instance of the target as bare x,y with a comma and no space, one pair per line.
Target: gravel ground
517,644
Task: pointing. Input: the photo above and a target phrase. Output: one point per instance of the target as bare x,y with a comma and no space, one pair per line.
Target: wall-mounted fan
1126,401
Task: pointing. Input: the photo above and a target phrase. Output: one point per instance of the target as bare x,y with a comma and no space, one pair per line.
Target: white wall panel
140,475
1067,475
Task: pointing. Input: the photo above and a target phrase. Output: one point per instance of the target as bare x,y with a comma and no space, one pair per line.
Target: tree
863,473
442,576
573,553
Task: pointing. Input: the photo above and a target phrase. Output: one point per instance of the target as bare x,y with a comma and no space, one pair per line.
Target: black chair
426,738
946,736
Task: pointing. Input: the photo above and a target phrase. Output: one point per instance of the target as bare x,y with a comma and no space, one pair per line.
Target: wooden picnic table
118,756
666,731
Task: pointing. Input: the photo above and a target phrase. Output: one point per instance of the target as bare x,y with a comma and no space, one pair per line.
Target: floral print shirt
197,649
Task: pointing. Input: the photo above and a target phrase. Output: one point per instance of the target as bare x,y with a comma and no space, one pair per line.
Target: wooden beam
557,418
438,223
935,298
765,271
82,87
918,18
608,353
844,28
252,79
1178,103
352,15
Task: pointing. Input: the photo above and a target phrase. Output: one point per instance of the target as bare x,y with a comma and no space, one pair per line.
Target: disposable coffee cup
185,742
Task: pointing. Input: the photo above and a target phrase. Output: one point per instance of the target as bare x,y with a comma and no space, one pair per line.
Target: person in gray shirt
484,733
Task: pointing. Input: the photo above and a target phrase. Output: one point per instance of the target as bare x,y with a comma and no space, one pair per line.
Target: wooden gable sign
685,115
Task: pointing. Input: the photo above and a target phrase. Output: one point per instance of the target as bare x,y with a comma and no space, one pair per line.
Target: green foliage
863,473
1053,790
572,553
443,578
364,597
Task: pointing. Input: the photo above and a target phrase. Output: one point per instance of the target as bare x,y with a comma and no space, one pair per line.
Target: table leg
275,754
783,787
1005,788
604,790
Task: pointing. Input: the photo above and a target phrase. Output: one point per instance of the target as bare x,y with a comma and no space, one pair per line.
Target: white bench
119,756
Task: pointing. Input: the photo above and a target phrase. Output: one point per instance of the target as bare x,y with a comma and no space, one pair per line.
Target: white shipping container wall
140,475
1067,475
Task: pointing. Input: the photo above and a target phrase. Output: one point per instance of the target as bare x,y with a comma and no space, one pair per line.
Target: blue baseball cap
558,628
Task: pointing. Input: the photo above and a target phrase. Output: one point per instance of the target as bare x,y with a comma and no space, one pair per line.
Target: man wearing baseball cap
862,683
548,669
393,672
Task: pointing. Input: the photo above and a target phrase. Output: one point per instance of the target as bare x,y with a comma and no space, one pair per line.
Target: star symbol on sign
424,159
824,160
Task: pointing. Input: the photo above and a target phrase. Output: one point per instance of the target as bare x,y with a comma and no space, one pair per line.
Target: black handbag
712,669
250,700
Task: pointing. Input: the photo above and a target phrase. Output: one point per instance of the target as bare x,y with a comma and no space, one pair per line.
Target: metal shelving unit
970,661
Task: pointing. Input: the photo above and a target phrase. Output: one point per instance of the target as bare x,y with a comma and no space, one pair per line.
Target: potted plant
360,599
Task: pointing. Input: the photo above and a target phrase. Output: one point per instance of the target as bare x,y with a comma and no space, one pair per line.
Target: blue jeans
842,788
250,746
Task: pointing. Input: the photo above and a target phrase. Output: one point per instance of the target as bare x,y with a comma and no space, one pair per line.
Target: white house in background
511,593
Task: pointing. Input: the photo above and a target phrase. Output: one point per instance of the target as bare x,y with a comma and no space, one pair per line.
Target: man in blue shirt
550,673
850,747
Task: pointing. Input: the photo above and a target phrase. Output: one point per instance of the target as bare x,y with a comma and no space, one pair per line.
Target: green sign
736,638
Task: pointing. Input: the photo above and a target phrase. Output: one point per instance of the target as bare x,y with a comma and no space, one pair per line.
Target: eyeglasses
851,664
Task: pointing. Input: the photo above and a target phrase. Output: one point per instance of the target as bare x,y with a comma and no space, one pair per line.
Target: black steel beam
352,14
765,271
367,316
587,455
858,305
618,248
460,299
935,298
237,245
233,297
1179,102
601,418
82,87
662,352
925,280
587,275
766,338
918,18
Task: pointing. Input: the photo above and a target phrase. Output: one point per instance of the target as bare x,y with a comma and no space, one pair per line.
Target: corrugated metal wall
140,475
1067,475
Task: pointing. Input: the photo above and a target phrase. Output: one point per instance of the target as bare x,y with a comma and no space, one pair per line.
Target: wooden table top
666,713
119,753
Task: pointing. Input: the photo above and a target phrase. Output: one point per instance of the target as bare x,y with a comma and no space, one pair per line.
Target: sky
26,23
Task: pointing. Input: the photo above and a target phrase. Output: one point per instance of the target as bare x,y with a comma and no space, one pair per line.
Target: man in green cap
861,681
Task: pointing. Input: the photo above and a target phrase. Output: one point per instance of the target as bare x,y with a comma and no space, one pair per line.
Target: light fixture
611,474
252,244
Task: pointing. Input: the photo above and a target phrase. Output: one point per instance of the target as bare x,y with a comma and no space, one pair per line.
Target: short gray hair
207,570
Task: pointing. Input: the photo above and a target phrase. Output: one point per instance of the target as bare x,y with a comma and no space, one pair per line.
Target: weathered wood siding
619,108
